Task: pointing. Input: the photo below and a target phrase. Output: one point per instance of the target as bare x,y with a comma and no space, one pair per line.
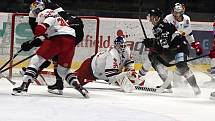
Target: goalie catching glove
26,46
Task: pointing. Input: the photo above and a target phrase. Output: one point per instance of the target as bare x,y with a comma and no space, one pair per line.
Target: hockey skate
22,90
212,96
167,90
81,89
197,91
57,88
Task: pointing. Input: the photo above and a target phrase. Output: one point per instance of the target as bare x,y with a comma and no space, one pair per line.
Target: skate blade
85,94
14,93
167,91
56,92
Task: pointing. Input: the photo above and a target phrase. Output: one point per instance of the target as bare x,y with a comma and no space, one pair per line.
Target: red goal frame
12,34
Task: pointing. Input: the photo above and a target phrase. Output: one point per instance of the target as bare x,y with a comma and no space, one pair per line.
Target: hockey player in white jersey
61,41
113,65
73,21
181,21
35,8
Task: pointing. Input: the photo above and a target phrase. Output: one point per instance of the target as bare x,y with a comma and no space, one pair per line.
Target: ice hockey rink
107,103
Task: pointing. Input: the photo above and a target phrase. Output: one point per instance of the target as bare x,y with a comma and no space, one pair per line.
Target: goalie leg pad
125,84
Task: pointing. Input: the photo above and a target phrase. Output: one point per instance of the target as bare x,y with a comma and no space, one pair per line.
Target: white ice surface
106,103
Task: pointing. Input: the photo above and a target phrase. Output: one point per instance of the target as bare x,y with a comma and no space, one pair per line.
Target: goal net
14,30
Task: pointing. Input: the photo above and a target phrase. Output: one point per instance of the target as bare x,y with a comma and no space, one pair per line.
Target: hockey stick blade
12,82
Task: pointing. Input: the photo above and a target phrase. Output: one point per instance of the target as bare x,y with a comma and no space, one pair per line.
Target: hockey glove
197,47
37,41
212,53
26,46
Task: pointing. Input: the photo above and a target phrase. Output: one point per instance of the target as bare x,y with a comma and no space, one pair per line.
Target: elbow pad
40,30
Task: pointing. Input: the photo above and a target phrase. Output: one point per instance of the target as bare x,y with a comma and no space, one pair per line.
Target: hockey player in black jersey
168,45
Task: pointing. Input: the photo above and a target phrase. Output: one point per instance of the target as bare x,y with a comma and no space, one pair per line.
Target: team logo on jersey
115,65
186,23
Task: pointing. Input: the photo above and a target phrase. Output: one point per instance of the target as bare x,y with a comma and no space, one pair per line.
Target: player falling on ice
109,65
74,22
60,40
168,45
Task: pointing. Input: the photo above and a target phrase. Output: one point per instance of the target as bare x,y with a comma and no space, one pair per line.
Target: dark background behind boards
198,10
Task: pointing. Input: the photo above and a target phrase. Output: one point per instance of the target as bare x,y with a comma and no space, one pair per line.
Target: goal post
19,31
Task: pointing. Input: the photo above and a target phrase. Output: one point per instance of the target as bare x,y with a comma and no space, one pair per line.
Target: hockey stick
17,63
11,59
148,89
12,82
141,23
169,65
144,32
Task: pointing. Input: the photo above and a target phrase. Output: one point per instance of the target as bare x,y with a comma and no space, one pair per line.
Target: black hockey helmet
155,12
154,16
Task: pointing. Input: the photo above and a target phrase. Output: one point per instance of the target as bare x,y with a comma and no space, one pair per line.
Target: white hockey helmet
120,44
37,6
178,9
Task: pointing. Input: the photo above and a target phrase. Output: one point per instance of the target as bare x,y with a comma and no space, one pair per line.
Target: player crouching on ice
61,41
168,45
108,65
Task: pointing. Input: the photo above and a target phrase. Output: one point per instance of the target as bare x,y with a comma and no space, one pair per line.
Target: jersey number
62,22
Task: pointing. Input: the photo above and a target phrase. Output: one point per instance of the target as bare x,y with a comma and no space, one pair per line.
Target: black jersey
167,39
163,32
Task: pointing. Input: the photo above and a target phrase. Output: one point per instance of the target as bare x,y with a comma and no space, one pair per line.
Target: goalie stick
148,89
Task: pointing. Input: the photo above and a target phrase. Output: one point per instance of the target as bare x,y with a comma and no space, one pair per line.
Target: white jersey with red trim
45,14
57,25
110,62
184,27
